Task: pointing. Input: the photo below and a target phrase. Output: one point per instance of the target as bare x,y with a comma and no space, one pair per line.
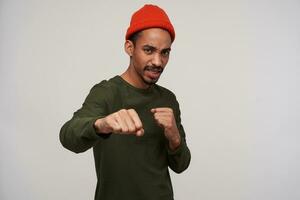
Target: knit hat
150,16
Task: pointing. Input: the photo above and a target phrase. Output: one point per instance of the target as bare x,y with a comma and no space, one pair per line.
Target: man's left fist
165,118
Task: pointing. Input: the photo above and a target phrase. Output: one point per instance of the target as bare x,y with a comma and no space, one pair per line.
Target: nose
157,60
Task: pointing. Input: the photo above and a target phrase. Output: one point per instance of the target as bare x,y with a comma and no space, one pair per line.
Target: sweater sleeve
179,159
78,134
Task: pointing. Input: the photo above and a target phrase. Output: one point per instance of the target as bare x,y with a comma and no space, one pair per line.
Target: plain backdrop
234,66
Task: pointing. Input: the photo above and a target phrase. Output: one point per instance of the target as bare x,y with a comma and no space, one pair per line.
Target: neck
133,79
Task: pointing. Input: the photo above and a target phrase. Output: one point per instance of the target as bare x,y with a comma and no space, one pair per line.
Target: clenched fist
165,118
123,122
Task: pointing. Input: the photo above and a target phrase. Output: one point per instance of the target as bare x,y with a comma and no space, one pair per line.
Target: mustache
154,68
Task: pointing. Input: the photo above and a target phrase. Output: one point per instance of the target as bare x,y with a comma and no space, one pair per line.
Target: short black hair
133,38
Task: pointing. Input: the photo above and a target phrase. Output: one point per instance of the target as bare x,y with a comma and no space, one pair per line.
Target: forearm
78,134
174,141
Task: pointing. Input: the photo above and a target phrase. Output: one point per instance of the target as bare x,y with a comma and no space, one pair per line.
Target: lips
153,72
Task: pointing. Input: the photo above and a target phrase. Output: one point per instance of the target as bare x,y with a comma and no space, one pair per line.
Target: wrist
174,143
99,126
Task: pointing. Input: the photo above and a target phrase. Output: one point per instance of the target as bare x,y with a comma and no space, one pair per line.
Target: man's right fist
123,122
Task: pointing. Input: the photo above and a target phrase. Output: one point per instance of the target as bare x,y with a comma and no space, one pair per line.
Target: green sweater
128,167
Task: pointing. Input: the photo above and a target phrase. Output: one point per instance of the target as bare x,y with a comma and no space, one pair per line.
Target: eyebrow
154,48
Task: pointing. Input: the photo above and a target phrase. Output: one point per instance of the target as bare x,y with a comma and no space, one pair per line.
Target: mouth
153,72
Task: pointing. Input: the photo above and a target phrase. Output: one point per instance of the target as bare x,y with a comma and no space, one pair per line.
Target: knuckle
109,119
122,111
115,115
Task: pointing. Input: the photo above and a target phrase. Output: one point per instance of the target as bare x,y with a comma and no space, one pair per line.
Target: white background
234,66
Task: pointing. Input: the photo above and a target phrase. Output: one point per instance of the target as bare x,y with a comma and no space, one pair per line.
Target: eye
148,50
165,53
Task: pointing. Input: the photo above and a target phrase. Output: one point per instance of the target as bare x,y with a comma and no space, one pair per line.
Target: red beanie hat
150,16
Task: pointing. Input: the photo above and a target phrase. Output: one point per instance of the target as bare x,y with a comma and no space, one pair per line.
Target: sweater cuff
176,151
92,131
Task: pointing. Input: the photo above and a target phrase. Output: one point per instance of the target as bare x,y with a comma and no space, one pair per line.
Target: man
132,123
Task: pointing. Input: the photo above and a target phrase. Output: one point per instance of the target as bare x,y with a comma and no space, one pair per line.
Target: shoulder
105,85
103,90
165,92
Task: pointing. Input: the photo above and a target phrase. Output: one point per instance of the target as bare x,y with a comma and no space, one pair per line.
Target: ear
129,47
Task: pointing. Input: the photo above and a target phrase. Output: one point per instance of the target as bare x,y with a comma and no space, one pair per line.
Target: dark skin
149,55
